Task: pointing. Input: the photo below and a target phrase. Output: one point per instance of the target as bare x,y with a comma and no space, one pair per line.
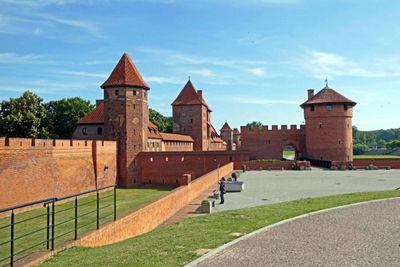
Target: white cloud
14,58
163,80
202,72
79,24
255,100
322,64
83,74
259,72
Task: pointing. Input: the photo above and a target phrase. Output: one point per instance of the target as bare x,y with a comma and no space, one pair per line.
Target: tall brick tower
328,117
126,116
236,138
227,135
191,116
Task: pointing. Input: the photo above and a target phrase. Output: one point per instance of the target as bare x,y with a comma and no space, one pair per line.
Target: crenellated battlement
51,143
274,129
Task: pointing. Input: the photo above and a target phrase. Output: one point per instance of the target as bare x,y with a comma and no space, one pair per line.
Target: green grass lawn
176,244
289,154
127,200
376,157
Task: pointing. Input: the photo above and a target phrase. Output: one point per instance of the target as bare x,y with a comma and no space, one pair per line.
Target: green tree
164,123
63,115
359,149
24,116
254,124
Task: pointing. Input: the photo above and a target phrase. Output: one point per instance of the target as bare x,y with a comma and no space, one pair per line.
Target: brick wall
268,143
392,163
286,165
165,168
149,217
34,169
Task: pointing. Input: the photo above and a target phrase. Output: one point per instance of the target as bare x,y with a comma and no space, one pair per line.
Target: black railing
32,233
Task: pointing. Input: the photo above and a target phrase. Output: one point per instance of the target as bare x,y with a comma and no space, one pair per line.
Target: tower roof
328,95
125,74
189,96
226,127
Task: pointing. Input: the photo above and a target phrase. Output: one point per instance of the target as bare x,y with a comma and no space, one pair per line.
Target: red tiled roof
236,131
215,138
176,137
96,116
189,96
153,132
125,74
226,127
328,95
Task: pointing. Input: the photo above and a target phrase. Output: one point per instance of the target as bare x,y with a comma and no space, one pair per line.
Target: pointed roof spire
125,74
226,127
189,96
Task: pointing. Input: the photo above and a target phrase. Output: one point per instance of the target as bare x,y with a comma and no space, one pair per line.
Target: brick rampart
34,169
266,143
382,163
165,168
149,217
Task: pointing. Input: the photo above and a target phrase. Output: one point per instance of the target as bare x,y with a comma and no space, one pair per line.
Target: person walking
222,190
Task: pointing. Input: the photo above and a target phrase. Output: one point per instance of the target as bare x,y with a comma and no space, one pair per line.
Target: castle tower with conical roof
126,116
227,135
191,116
328,117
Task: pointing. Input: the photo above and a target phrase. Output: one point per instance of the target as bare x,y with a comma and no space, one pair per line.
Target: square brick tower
227,135
191,116
126,117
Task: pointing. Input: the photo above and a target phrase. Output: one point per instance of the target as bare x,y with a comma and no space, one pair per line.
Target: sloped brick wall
149,217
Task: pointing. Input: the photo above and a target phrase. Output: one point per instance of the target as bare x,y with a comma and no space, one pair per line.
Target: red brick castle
123,116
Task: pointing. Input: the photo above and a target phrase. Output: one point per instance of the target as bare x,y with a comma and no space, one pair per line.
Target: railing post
76,218
52,224
98,210
48,226
12,240
115,203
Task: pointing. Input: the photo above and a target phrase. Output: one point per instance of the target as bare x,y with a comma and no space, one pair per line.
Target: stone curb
266,228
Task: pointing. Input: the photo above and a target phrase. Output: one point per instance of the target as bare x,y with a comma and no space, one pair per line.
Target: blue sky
253,59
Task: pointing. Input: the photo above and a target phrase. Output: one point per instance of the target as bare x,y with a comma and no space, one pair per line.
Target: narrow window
320,125
329,107
312,108
134,92
340,142
346,107
116,92
166,158
99,131
144,94
134,131
183,159
134,106
84,131
151,159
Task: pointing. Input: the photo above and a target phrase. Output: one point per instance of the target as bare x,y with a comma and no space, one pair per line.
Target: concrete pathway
358,235
266,187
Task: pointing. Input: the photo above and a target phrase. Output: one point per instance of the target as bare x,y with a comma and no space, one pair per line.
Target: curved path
357,235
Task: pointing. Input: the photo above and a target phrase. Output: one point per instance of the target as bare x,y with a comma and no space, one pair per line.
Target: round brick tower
328,118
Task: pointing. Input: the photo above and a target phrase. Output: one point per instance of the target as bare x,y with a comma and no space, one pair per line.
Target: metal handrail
51,213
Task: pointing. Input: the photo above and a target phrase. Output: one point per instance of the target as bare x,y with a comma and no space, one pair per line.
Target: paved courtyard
266,187
359,235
